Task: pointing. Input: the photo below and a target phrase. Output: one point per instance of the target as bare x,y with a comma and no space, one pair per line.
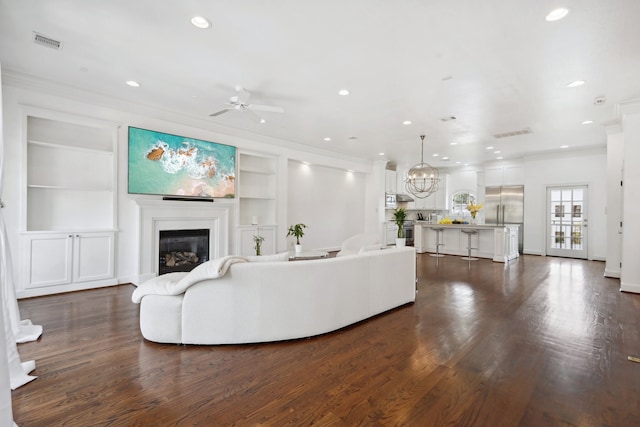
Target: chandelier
422,179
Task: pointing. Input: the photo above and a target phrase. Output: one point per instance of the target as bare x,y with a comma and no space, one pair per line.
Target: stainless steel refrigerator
505,205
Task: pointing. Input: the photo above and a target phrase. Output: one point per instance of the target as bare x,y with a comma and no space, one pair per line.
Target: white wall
329,201
573,168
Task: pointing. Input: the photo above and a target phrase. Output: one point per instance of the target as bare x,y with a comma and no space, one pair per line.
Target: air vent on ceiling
524,131
46,41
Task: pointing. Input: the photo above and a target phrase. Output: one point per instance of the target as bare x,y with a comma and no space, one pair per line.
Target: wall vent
524,131
46,41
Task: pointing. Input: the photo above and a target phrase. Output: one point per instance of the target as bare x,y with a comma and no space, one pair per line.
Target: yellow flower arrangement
474,209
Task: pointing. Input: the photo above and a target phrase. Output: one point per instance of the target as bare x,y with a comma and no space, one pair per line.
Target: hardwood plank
538,341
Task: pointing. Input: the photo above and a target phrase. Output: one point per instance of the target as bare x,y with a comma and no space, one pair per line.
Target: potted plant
258,239
399,217
297,230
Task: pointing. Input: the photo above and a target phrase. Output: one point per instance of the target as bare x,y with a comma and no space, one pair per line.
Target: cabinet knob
70,235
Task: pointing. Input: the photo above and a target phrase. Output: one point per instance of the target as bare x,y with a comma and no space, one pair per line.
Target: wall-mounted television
176,166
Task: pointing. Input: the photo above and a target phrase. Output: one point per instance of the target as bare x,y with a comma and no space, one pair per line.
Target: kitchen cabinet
246,243
499,243
56,259
391,184
436,201
504,175
391,232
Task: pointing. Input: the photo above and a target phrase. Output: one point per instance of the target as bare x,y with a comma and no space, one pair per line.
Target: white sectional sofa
272,301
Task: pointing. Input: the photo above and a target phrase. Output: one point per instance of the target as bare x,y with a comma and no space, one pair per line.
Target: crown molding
631,106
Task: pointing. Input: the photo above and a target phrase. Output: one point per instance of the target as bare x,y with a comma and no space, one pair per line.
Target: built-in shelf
70,147
69,203
257,189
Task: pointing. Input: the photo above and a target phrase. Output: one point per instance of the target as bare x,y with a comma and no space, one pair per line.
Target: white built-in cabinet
69,204
391,182
504,175
436,201
257,206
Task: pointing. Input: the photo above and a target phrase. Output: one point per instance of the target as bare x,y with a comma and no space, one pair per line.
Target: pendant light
422,179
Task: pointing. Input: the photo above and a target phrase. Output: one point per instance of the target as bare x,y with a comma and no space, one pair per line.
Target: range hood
403,198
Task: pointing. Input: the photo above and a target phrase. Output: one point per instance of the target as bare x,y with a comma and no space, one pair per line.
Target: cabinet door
93,256
390,182
390,234
48,260
440,199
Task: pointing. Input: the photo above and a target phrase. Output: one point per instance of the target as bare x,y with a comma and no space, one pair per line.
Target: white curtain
15,330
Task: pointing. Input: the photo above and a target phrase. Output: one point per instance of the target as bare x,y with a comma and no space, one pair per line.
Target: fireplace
182,250
161,215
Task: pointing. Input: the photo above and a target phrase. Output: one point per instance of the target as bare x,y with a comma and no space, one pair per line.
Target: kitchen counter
497,242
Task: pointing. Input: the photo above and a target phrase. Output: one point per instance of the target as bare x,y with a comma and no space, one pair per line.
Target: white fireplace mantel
161,215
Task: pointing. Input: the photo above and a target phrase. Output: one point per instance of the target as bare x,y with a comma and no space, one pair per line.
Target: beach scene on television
172,165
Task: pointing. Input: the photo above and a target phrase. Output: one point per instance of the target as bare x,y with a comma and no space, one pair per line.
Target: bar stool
438,244
469,233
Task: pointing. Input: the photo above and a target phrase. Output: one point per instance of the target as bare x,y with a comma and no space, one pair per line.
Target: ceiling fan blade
243,96
255,116
217,113
265,108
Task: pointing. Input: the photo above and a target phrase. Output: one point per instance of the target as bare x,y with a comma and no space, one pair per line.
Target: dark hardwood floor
541,341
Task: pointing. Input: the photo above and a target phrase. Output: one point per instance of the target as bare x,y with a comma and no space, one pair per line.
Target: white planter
401,242
298,249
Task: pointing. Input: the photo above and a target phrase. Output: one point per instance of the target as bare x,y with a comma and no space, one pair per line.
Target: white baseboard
630,287
530,252
612,273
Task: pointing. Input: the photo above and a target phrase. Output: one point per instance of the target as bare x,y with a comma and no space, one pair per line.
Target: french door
567,221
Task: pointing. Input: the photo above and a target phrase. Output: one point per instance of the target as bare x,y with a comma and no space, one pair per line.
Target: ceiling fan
240,102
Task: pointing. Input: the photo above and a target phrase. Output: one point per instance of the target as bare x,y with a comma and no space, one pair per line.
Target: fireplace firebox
182,250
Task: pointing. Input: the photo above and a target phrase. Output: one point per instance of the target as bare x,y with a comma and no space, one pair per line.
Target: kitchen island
497,242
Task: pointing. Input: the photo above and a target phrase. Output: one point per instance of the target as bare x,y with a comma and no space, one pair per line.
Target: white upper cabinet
391,184
504,175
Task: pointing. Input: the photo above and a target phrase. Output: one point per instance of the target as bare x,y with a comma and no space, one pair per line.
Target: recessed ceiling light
445,158
380,154
499,158
564,146
406,122
490,148
497,152
327,139
200,22
343,92
587,122
133,83
457,163
435,154
557,14
576,83
263,121
453,143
